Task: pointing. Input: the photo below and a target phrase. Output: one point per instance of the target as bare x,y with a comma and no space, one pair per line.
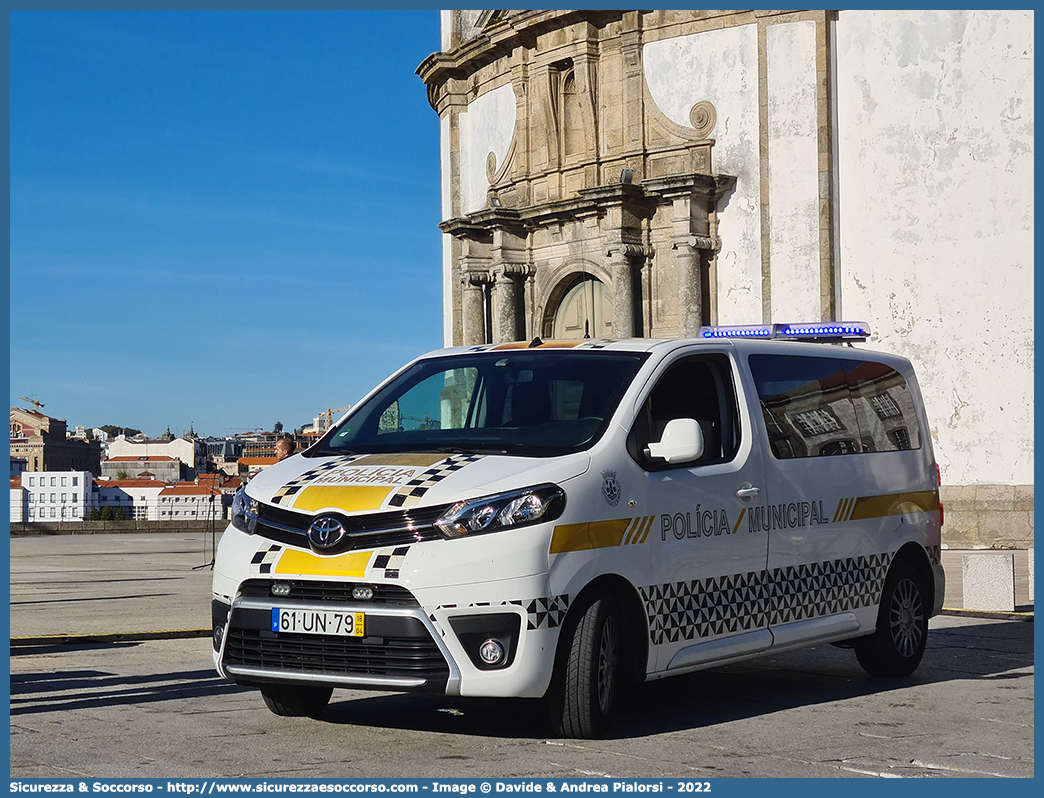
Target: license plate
315,622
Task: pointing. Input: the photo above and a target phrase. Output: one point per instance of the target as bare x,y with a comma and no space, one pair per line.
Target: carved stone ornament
491,167
703,118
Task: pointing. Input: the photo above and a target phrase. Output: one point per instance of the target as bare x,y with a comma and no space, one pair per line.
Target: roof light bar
824,331
737,331
821,332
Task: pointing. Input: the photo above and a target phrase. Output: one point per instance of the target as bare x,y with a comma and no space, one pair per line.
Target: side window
823,406
806,405
883,407
699,388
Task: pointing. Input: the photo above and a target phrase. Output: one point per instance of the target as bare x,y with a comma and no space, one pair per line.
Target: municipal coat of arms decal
610,487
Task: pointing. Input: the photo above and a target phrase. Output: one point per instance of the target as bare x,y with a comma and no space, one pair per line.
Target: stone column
506,326
506,277
623,292
690,289
472,308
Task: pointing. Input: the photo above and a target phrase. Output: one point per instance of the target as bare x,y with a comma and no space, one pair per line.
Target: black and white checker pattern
739,602
388,563
410,494
284,496
544,612
265,558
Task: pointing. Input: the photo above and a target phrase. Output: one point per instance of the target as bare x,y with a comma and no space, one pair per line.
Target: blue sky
223,219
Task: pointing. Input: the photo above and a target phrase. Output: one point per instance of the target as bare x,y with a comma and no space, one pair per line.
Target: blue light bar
737,331
826,331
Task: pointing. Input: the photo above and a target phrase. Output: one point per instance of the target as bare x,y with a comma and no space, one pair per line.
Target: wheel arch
635,621
917,557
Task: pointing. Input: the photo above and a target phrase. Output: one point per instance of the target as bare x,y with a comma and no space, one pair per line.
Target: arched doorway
586,311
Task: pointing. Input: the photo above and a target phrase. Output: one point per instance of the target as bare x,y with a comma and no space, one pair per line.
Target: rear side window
822,406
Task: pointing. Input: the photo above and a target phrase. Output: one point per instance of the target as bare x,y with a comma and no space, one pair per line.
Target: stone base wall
114,527
987,516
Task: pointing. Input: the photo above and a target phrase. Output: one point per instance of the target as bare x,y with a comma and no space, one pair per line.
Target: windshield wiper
472,450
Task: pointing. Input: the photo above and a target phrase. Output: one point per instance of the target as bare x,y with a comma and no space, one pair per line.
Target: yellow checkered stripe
601,534
862,508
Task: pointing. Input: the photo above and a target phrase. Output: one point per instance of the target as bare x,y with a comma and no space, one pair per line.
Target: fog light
280,589
219,632
491,652
362,592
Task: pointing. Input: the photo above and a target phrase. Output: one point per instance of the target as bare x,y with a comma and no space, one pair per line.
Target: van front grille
328,655
374,530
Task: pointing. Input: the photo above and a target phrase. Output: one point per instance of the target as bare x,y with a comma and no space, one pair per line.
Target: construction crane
329,414
35,402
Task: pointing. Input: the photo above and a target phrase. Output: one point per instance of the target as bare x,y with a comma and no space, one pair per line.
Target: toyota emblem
326,532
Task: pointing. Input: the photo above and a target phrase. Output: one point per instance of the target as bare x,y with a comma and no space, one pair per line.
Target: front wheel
587,675
294,700
897,646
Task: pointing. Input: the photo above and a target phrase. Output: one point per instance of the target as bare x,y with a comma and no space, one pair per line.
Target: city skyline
219,219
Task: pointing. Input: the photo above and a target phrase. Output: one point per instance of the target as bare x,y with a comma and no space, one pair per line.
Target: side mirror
682,440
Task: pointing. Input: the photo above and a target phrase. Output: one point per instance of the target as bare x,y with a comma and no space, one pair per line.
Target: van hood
381,482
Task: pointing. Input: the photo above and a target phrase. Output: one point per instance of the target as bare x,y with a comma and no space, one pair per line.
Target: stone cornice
590,202
519,28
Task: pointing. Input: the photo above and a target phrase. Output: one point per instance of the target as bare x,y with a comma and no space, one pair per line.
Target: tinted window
697,388
821,406
883,407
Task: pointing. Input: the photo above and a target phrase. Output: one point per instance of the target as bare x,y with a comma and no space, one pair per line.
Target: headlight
503,511
244,511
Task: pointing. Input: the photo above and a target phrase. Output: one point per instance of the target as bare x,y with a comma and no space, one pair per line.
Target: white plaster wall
721,66
793,167
446,161
935,112
487,126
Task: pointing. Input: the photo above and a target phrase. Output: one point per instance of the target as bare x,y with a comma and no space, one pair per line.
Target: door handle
748,491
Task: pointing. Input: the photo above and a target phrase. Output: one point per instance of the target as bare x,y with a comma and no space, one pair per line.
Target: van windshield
529,403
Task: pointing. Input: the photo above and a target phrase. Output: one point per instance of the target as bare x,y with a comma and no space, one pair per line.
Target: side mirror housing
682,441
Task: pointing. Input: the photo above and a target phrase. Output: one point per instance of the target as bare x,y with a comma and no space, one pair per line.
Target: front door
586,311
708,600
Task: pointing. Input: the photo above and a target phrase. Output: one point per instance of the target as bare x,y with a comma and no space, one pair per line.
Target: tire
897,646
588,673
294,700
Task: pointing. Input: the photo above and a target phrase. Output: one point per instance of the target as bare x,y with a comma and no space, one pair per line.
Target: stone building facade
640,173
43,443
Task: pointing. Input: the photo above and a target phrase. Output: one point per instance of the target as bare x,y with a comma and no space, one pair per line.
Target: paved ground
155,708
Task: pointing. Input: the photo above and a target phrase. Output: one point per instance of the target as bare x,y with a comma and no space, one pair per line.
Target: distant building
190,502
57,495
249,466
162,467
223,450
263,444
44,444
18,465
138,498
192,452
18,503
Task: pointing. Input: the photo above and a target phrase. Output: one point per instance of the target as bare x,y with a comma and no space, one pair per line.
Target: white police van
567,519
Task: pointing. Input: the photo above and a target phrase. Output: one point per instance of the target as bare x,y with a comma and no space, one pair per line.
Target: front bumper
406,647
401,650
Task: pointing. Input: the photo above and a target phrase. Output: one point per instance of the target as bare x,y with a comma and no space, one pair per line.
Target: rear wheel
294,700
588,673
897,646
